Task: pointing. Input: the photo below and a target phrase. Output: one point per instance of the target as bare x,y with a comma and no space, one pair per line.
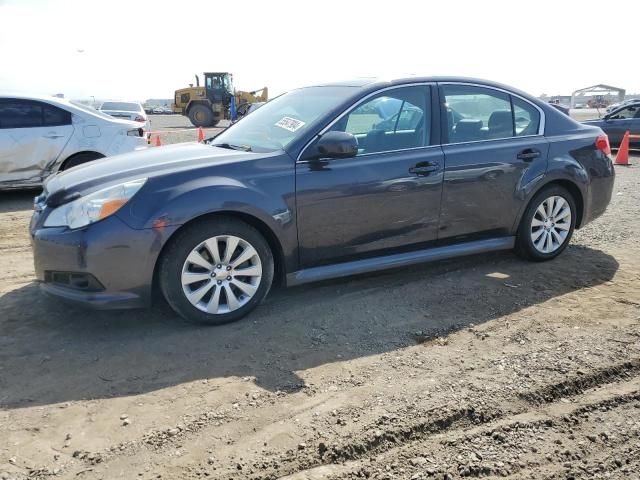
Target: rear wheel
80,159
201,116
216,271
547,225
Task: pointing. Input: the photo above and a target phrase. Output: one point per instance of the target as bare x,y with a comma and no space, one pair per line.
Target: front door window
392,120
625,113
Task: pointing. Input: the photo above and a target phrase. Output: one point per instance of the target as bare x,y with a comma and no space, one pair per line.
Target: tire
532,242
201,116
79,160
183,272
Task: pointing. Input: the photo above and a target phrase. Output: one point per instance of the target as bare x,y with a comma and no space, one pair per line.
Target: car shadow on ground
18,200
51,352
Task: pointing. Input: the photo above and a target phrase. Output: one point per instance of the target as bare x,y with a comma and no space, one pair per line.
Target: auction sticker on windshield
289,123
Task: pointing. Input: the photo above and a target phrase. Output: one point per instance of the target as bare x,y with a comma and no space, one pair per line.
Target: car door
618,122
493,144
634,125
388,195
32,136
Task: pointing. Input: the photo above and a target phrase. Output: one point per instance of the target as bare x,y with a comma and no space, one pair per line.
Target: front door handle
424,168
528,154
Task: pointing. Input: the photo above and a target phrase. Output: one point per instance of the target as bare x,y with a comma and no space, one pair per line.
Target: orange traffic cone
158,143
200,134
622,158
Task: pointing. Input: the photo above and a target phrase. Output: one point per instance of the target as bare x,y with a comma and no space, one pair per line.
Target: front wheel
201,116
216,271
547,224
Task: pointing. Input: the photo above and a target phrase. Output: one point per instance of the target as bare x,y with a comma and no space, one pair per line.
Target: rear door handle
528,154
424,168
53,135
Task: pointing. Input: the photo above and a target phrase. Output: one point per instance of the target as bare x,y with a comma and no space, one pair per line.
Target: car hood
147,163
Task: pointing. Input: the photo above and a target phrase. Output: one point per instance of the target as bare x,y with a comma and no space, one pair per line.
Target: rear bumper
126,143
599,192
120,258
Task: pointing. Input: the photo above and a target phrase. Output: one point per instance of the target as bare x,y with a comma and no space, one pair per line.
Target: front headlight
93,207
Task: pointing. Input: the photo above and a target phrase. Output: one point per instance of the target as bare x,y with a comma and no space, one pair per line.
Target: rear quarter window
54,116
526,116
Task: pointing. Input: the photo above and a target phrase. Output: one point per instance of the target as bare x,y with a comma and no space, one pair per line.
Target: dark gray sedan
319,184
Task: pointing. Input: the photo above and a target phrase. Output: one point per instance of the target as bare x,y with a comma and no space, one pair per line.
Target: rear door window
20,114
30,114
476,113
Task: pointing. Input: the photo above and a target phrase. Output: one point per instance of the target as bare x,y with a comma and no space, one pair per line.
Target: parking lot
177,128
486,366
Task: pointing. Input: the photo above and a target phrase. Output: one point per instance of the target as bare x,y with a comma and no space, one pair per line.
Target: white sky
139,49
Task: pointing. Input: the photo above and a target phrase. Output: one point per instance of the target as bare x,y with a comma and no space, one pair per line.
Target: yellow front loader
216,100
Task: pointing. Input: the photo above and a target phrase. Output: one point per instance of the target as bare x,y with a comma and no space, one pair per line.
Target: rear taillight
602,144
139,118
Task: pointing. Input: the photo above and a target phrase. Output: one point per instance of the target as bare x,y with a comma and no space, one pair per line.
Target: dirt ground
176,128
486,366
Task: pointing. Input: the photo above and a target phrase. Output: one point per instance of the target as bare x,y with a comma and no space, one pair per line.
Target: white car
41,135
126,110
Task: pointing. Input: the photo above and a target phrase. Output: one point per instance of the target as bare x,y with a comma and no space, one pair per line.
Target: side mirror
333,145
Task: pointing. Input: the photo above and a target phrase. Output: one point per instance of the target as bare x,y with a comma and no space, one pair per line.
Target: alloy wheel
551,224
221,274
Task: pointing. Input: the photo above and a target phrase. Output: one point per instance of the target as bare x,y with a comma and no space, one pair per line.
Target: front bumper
120,258
97,300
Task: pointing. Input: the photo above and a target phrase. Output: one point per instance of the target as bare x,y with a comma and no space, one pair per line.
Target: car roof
35,96
121,101
622,106
63,103
366,81
373,83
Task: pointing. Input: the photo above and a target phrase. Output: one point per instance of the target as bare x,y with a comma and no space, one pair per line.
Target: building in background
597,96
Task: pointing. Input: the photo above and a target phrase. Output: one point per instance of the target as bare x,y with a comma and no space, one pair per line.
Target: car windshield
121,106
278,122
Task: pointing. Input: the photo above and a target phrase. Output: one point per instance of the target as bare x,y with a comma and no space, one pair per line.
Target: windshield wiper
244,148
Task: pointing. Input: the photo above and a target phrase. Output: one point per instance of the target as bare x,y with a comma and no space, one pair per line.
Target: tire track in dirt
379,438
432,455
576,385
467,417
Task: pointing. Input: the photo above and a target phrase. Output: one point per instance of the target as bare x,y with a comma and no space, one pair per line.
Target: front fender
161,205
